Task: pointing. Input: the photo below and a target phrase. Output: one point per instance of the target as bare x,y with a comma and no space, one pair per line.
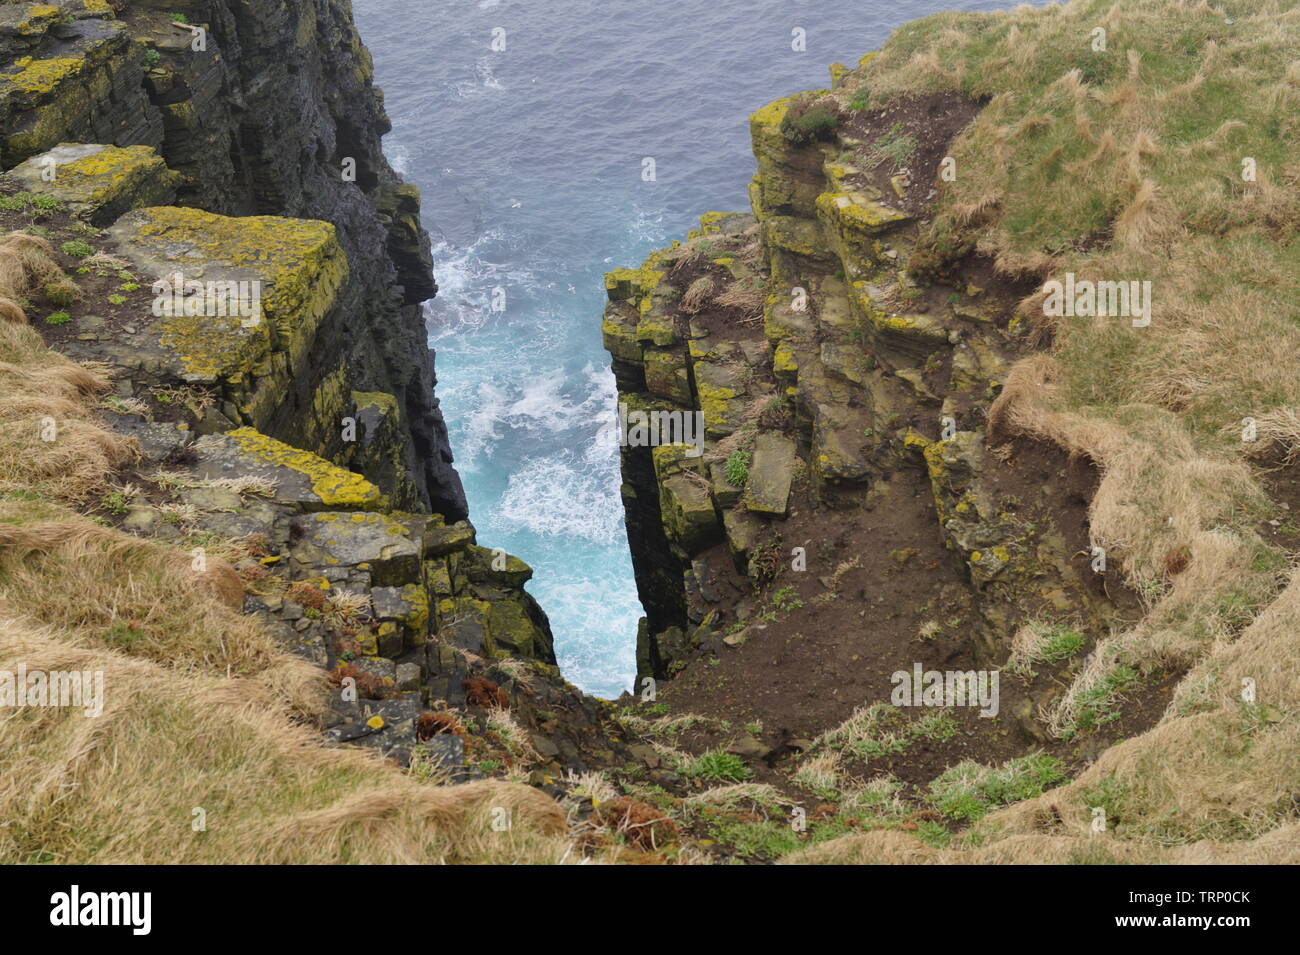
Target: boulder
372,544
300,478
98,183
771,473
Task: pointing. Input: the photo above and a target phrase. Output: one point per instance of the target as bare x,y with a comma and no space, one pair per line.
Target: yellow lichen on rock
298,262
97,181
335,486
39,77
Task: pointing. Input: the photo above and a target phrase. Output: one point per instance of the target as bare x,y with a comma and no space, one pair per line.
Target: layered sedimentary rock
232,149
823,371
257,109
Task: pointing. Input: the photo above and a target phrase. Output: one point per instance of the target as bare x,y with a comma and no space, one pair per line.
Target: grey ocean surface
530,163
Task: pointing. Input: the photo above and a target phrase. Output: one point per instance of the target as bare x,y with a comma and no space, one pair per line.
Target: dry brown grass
697,295
1277,436
46,443
746,297
124,787
26,264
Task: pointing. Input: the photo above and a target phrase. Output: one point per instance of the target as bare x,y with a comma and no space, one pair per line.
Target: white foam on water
538,411
600,613
399,157
563,497
485,81
474,440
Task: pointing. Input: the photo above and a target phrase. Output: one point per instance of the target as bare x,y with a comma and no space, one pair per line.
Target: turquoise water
530,162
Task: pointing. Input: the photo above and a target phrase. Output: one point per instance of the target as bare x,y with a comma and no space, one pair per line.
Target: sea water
526,124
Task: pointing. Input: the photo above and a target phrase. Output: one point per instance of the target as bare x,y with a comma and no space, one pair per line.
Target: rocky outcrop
827,374
263,109
217,168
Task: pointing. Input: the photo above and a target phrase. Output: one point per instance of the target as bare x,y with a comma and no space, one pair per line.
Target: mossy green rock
688,513
618,331
463,623
99,183
442,539
408,606
743,530
514,631
666,374
722,396
496,567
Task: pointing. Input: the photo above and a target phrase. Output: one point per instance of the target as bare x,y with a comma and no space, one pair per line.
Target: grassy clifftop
915,228
1169,156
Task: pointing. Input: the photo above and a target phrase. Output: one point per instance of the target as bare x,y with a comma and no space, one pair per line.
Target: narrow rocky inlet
962,520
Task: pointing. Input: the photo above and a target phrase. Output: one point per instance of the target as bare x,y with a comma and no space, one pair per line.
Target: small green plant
969,790
807,120
1096,703
719,766
736,468
1062,643
116,299
894,147
151,58
58,318
180,18
1107,795
121,634
786,599
32,202
767,839
77,248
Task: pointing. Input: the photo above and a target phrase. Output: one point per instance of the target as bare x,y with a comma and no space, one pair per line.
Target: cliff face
300,439
846,503
270,111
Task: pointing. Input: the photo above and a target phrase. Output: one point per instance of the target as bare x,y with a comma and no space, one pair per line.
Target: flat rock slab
355,540
99,183
770,474
300,477
297,265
